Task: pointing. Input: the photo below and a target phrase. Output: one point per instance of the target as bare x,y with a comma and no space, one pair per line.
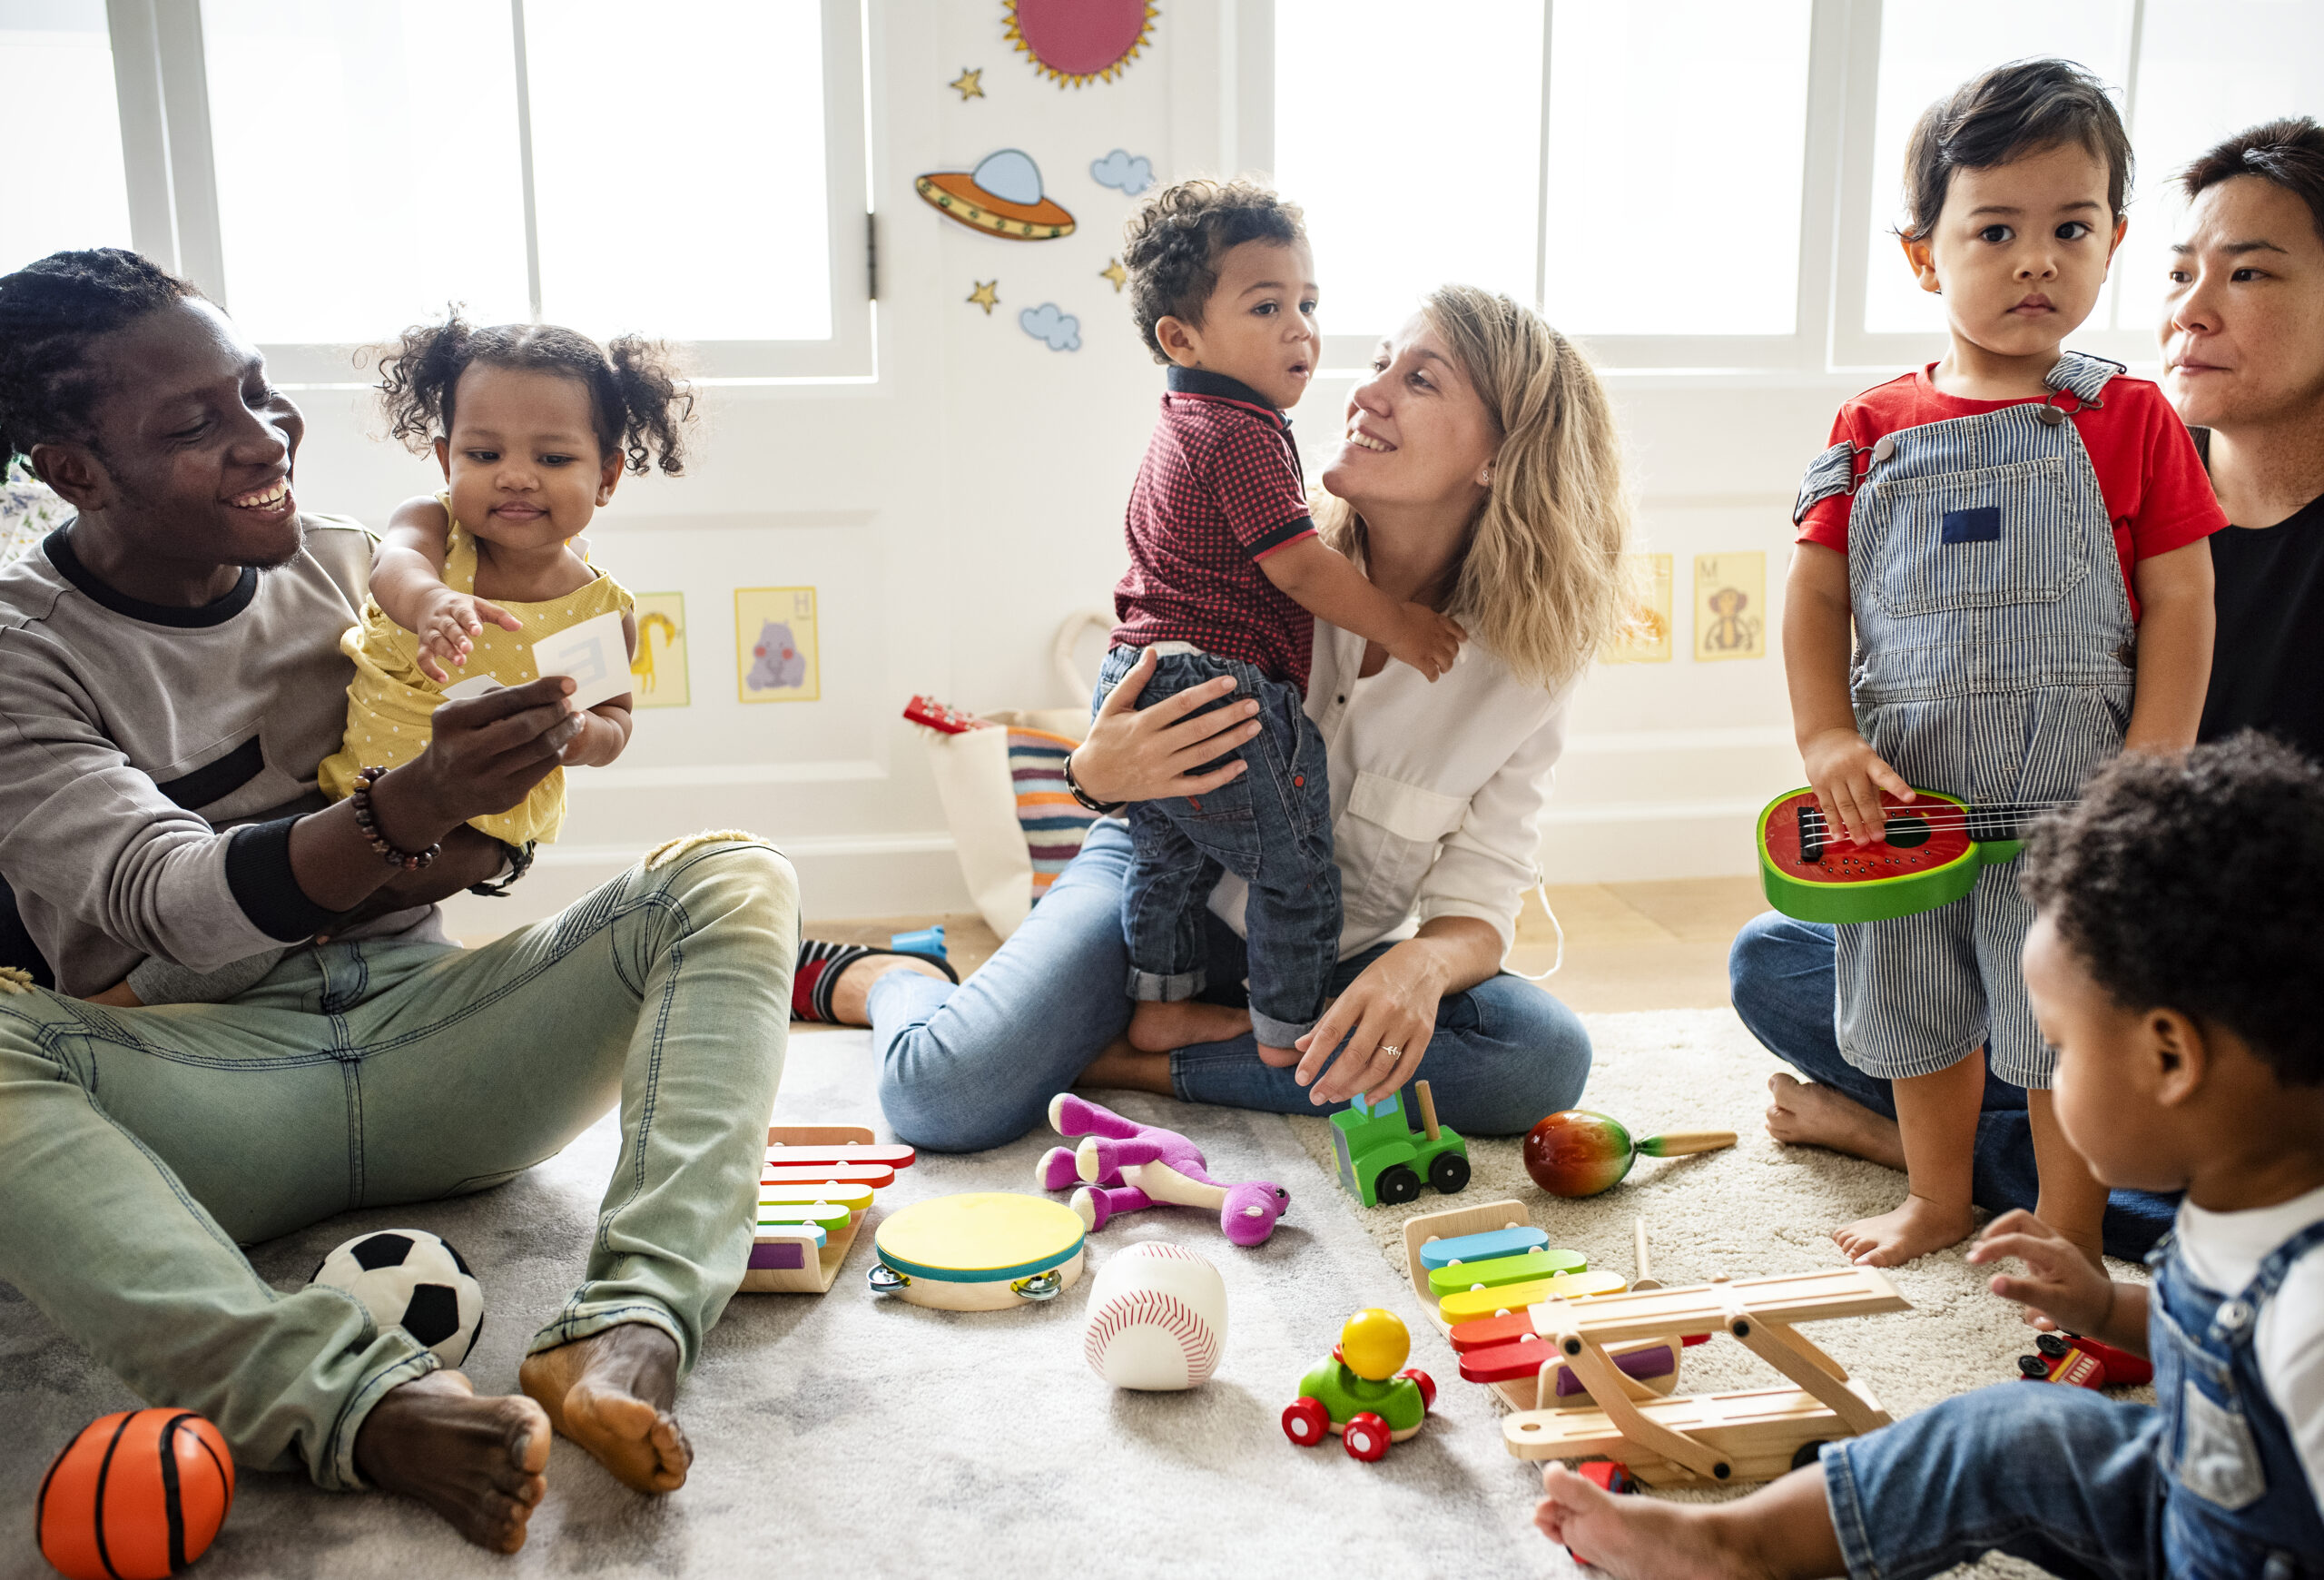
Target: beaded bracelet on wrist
1083,796
368,821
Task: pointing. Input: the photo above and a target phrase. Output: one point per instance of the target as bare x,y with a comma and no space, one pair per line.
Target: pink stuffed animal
1123,1166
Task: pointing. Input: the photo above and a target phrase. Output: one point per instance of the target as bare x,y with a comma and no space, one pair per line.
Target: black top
2268,667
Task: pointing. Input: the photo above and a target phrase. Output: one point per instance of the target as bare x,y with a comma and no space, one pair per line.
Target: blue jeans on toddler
1271,827
2204,1484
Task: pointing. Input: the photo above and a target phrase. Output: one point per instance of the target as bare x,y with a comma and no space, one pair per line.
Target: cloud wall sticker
1128,173
1053,327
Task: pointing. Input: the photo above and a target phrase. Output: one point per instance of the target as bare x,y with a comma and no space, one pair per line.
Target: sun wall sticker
1079,41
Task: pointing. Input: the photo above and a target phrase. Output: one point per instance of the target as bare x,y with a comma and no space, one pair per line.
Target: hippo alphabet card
774,645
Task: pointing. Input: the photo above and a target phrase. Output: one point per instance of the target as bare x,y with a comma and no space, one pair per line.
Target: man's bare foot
612,1393
851,991
1914,1228
1803,1114
1630,1535
476,1461
1159,1028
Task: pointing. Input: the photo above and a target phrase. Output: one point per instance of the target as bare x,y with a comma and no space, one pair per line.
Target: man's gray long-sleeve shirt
151,758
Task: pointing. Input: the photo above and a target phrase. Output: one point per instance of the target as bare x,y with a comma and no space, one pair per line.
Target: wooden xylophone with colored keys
816,1187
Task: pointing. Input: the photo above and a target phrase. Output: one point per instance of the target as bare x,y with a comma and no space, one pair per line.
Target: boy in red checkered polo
1226,576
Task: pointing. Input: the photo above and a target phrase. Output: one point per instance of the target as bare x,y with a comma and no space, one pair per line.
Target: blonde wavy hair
1540,581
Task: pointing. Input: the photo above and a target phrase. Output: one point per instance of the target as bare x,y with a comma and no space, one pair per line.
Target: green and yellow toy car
1383,1159
1359,1393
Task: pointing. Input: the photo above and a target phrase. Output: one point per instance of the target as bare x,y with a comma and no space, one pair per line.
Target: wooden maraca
1581,1153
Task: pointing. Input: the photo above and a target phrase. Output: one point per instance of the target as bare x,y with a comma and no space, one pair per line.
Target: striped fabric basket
1053,821
1015,825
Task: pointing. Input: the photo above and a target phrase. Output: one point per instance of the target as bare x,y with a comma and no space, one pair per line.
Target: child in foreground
533,426
2176,962
2001,581
1227,578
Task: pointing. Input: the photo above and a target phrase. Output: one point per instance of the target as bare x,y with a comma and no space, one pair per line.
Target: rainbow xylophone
816,1187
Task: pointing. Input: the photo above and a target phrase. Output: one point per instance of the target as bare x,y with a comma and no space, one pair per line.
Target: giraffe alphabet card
658,670
1730,606
774,645
1645,634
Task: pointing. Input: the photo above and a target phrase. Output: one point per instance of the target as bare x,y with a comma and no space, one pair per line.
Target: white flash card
593,653
474,685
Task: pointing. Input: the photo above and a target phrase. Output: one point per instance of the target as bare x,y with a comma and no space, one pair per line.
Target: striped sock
819,970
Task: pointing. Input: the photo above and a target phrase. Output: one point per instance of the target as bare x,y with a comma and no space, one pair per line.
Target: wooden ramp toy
1747,1436
812,1204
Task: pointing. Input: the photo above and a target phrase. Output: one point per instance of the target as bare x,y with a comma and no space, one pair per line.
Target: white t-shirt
2223,1251
1437,789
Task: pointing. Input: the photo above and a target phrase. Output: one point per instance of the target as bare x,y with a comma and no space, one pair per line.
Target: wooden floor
1628,946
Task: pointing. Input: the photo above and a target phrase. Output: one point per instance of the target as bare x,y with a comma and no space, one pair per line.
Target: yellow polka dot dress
390,700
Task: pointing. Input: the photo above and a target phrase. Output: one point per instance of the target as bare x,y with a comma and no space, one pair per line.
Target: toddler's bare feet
1629,1536
476,1461
1159,1028
1278,1058
612,1393
1914,1228
1803,1114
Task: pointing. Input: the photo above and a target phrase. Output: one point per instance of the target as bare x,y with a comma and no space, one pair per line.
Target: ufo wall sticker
1001,196
1080,41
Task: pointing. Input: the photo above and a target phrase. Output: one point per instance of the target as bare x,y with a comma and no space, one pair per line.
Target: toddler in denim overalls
1989,527
2177,962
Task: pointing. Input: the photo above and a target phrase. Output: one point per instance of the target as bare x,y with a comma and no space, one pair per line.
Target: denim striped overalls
2237,1504
1992,662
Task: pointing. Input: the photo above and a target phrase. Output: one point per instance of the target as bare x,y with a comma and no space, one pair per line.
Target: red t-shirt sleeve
2176,505
1826,521
1258,489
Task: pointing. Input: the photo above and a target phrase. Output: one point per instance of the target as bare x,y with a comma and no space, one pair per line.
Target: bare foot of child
476,1461
2091,1242
1630,1535
1806,1115
612,1393
1914,1228
1159,1028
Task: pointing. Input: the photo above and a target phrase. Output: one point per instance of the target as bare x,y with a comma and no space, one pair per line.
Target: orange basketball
136,1496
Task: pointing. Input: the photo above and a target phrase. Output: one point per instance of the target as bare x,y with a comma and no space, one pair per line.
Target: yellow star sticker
984,296
1114,271
970,82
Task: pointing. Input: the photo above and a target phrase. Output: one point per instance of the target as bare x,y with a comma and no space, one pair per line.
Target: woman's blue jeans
1780,974
974,1066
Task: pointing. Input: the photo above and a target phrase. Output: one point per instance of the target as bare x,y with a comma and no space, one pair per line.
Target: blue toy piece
1482,1247
926,940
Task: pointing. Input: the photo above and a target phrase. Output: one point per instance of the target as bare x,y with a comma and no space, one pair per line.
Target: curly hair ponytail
638,404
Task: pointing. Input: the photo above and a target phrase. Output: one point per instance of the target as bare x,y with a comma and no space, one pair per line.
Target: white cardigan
1436,789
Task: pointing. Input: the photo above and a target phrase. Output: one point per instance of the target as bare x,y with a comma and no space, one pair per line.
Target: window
1557,153
2185,74
334,169
57,62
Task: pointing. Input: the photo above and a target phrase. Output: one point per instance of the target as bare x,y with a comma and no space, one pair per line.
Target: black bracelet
1100,807
368,821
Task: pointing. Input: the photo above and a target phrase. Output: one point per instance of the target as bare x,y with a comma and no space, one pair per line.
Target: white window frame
1839,188
162,86
1852,346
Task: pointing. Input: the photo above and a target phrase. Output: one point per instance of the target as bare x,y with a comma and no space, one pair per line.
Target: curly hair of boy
1173,245
2196,883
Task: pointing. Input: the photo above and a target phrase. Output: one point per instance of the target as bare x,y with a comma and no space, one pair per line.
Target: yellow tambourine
979,1252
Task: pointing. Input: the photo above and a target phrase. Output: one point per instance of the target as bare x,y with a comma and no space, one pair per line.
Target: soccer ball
412,1280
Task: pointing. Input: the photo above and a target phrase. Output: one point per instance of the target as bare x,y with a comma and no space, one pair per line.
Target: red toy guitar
951,721
1934,845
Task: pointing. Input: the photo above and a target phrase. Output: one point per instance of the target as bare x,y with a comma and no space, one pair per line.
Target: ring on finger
1390,1050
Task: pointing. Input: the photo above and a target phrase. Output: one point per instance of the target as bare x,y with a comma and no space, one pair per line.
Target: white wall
952,513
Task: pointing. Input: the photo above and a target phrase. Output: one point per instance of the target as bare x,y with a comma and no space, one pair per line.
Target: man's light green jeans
138,1148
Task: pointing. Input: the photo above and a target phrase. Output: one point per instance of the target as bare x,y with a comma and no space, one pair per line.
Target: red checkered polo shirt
1219,491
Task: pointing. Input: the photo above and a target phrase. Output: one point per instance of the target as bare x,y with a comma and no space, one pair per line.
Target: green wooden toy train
1382,1159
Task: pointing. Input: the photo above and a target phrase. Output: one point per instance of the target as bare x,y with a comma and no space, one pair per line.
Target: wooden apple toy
1581,1153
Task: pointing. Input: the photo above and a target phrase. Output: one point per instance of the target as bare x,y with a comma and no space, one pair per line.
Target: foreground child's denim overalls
1994,663
2206,1484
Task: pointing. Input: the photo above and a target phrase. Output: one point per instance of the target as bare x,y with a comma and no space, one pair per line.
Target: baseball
1157,1319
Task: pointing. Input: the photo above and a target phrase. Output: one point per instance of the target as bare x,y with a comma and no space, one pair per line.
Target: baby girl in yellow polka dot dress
534,426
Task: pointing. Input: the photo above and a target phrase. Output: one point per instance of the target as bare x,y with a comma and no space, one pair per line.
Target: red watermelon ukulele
1934,847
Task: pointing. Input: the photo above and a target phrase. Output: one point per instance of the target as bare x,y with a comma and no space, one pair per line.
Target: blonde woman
1478,473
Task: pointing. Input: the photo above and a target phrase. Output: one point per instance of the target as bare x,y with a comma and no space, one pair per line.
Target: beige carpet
843,1435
